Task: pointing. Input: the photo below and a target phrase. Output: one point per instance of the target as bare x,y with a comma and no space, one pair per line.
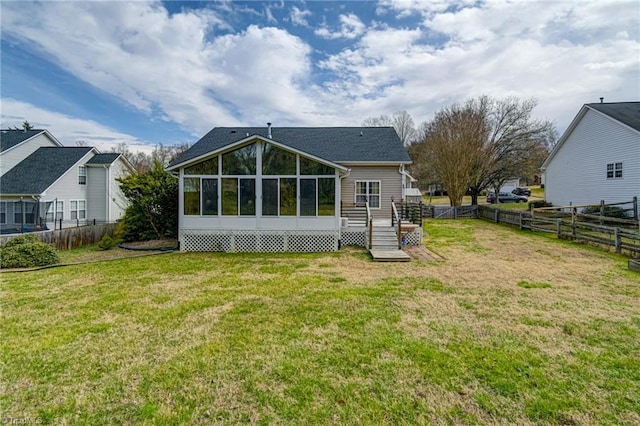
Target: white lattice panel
414,238
354,238
258,241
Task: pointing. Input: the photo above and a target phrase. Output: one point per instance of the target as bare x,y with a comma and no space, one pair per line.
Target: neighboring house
412,193
53,185
282,189
510,185
597,157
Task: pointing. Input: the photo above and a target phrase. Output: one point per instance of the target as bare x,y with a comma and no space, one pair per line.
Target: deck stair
384,245
356,213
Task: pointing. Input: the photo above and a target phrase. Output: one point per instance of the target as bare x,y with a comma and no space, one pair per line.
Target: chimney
269,130
601,99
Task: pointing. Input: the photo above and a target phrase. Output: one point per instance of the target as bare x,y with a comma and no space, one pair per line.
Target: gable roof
626,113
40,170
333,144
106,158
10,138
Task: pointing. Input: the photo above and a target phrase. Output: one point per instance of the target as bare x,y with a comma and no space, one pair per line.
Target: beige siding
390,186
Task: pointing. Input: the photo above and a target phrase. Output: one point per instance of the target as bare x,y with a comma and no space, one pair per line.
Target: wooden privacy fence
68,238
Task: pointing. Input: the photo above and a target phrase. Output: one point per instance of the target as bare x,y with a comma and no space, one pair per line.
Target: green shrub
539,203
27,254
106,243
22,239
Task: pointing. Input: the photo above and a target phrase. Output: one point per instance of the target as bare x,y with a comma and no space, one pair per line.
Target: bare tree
453,141
401,121
405,127
513,143
81,142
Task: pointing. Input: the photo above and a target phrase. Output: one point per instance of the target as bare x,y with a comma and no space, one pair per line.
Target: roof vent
601,99
233,131
360,133
269,130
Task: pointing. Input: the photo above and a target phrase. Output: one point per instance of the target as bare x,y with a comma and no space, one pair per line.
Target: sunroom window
241,161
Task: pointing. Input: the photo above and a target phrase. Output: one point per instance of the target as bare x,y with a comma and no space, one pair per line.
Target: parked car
506,197
522,191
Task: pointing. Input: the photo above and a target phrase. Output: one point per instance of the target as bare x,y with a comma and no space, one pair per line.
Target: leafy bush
609,211
107,243
25,252
539,203
22,239
153,208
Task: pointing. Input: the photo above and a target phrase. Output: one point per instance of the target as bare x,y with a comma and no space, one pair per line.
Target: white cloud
350,27
500,49
169,63
299,17
68,130
191,68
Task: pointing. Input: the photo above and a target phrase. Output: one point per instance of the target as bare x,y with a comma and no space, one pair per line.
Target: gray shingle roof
334,144
625,112
37,172
106,158
11,138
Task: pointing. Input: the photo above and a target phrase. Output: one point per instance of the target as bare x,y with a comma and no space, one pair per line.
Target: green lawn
511,328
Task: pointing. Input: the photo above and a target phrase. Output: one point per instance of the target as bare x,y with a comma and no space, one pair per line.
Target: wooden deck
396,255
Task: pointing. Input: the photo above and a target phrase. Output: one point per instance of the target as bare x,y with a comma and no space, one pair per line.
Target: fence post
601,210
496,216
559,228
618,240
520,217
635,208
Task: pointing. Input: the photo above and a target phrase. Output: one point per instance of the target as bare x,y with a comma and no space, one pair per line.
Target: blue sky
148,72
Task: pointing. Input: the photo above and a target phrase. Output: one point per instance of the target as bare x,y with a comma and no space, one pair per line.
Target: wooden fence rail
68,238
570,227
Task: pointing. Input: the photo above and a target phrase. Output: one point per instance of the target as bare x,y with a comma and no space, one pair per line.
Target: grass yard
512,328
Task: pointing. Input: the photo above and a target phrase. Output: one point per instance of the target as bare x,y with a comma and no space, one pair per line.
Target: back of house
284,188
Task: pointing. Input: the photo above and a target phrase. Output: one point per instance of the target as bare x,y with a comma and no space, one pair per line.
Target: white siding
67,189
390,186
577,173
11,157
117,200
96,193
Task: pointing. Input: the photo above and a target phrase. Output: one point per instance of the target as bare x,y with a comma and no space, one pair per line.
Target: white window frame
57,213
82,175
368,192
76,211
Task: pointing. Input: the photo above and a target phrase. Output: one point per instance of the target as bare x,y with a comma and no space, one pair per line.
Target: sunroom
259,195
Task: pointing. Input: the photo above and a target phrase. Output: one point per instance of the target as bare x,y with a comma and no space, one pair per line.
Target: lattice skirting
258,240
352,238
414,238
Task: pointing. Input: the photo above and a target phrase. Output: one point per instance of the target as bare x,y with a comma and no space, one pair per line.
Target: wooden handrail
397,218
369,224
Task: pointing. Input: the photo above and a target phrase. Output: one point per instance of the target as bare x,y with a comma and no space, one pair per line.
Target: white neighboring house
597,157
45,184
510,185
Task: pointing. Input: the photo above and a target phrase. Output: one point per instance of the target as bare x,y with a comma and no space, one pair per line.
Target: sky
150,72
